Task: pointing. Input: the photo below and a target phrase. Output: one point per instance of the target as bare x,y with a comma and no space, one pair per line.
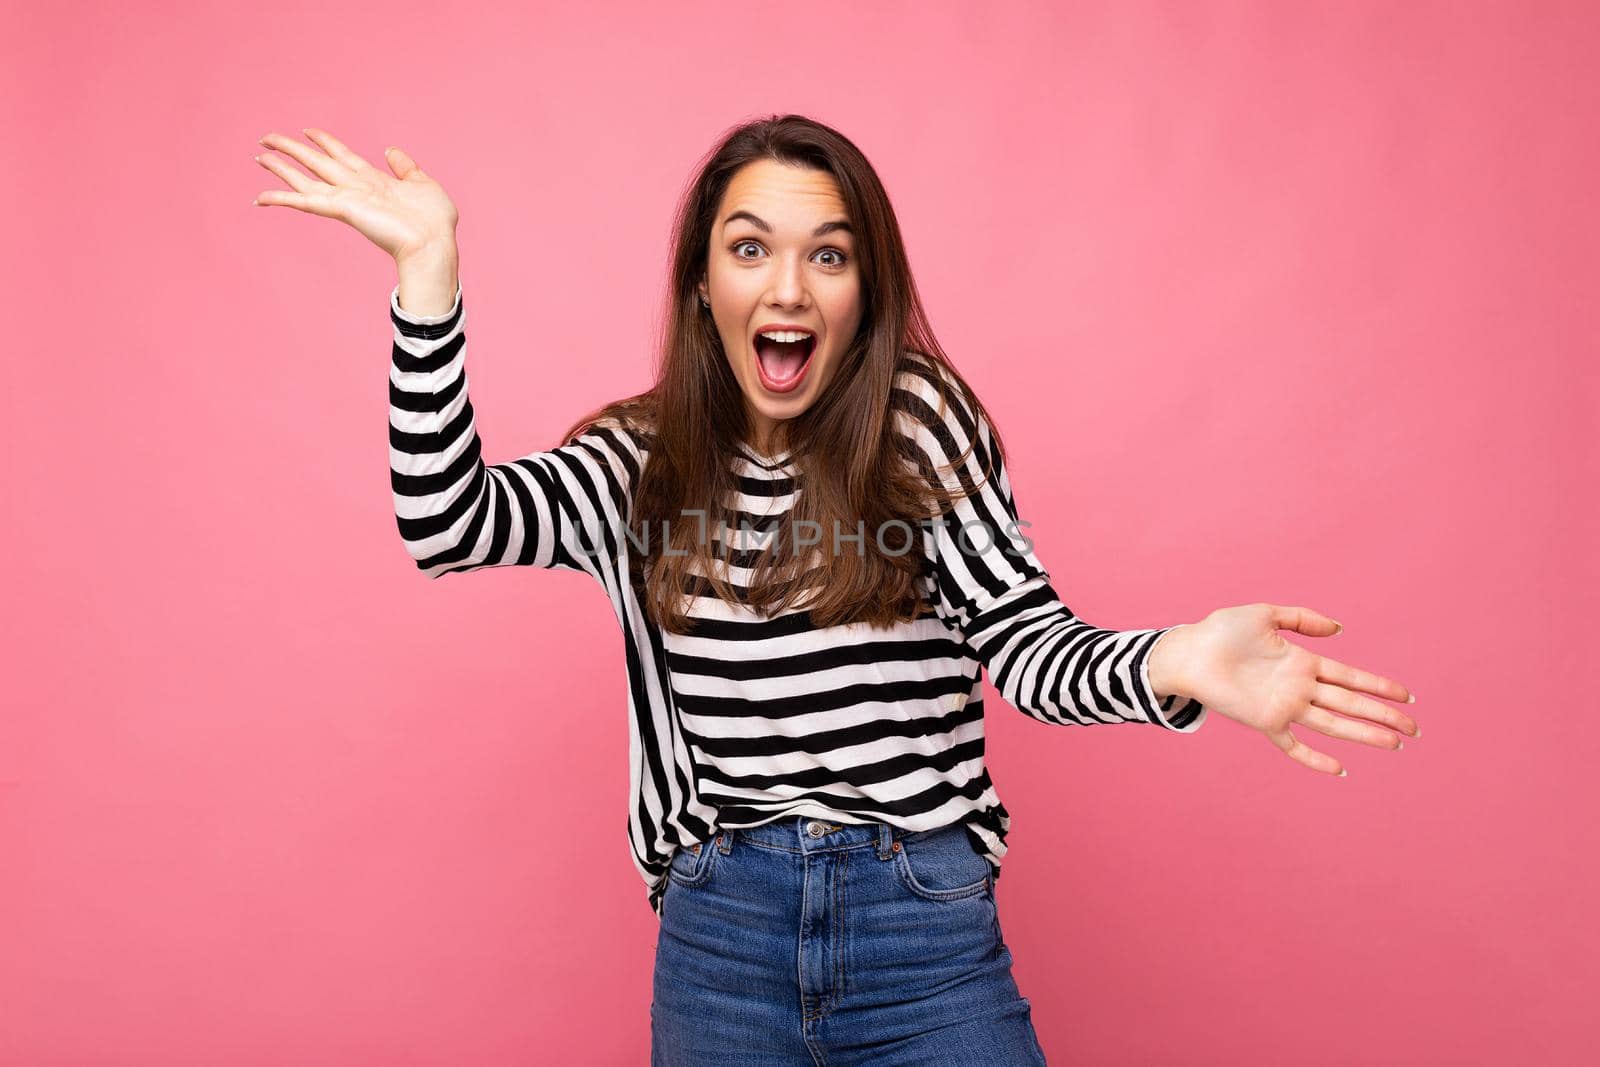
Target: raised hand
1236,663
406,213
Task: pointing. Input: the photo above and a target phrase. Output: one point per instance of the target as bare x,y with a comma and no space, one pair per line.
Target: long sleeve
1044,660
563,508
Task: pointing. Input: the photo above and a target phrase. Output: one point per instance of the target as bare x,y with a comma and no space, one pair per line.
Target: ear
705,290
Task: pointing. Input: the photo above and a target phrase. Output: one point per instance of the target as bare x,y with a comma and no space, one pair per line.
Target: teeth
785,335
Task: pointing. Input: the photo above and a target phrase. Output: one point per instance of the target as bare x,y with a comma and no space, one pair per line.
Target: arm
1058,669
1045,661
564,508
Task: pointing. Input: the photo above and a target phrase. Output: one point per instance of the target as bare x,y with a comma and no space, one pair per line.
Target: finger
329,170
293,176
311,203
1331,670
1298,750
402,165
335,148
1303,621
1348,730
1337,698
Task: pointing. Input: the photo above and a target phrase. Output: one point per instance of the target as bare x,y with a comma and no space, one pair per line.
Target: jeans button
815,828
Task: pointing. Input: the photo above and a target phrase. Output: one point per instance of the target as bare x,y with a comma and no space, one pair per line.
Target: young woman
807,532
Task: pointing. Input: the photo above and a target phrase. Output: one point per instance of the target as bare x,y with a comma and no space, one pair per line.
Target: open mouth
782,357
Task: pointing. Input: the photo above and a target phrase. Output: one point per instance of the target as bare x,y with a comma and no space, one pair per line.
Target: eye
737,245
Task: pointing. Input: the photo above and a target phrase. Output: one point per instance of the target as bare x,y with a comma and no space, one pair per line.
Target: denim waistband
808,833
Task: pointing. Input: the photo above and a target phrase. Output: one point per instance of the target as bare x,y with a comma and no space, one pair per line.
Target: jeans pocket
941,864
692,864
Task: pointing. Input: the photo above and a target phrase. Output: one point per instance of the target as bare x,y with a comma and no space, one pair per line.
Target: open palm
1240,666
403,213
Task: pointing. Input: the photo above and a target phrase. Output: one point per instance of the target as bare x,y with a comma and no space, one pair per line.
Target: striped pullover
754,717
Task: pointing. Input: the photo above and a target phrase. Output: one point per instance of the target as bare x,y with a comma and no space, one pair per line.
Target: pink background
1272,302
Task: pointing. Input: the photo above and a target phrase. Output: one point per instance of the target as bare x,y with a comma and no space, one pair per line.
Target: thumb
402,165
1304,621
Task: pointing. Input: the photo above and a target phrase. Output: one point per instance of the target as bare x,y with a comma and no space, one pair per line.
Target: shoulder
938,411
627,426
620,431
614,445
922,385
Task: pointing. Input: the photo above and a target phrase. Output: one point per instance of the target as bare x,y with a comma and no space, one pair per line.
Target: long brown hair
853,466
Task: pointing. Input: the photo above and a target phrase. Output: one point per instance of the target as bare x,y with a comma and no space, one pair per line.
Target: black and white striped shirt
754,718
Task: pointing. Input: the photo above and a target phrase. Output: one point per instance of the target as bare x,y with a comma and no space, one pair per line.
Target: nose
789,283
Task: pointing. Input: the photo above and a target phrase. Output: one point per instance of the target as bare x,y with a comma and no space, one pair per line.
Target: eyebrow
826,227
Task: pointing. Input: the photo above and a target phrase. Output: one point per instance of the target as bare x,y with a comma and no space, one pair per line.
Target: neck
766,436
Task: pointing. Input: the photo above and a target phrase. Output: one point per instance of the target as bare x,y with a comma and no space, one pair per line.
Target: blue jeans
805,941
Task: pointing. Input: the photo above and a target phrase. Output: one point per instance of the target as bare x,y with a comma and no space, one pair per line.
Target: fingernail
1417,733
1412,699
1399,745
1340,630
1344,774
256,202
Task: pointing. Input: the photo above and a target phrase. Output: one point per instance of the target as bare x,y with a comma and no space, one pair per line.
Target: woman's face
782,256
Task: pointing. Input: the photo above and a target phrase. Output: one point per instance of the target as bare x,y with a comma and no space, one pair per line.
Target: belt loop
724,840
885,841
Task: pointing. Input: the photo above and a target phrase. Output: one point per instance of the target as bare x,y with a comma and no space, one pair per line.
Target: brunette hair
853,464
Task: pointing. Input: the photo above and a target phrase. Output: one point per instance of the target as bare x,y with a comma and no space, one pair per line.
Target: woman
809,537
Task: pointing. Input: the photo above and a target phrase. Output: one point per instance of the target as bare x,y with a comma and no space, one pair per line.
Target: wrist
428,252
429,279
1167,664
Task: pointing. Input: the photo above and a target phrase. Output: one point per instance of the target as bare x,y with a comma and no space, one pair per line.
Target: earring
705,301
